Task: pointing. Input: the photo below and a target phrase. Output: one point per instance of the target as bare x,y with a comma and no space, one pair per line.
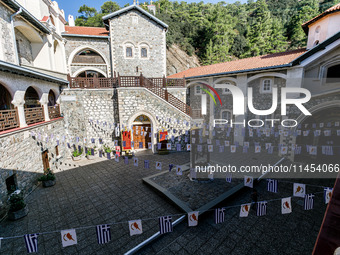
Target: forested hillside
223,32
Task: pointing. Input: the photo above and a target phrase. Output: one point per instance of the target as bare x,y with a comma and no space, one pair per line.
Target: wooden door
46,164
138,137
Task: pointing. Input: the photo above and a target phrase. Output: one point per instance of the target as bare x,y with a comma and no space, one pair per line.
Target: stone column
44,103
19,101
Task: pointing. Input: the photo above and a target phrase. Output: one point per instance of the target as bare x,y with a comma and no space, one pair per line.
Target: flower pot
48,183
76,158
18,214
90,157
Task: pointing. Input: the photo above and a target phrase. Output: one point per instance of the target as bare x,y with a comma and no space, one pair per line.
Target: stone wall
133,29
24,49
6,39
21,154
100,45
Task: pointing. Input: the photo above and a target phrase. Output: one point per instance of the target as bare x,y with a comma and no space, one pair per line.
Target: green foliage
16,202
77,153
107,149
223,32
49,176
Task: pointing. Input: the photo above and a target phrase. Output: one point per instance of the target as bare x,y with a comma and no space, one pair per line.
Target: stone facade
21,155
6,39
24,49
76,44
133,29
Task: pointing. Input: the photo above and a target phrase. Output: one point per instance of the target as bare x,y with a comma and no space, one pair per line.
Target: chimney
71,21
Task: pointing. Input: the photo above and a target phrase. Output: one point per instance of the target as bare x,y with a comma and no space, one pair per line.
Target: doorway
45,160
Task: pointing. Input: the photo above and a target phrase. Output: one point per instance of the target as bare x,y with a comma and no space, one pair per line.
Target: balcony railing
54,112
34,115
92,83
8,119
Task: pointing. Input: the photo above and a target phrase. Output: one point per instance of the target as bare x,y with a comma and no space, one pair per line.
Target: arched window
128,52
89,57
90,74
5,99
333,74
51,99
31,98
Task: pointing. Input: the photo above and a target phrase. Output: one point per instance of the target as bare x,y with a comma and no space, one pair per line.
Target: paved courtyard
111,192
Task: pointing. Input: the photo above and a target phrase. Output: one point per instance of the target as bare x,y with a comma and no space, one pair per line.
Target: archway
90,74
51,99
141,132
320,129
31,98
88,56
5,99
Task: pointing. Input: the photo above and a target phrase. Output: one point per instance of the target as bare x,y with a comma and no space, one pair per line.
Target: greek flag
126,160
219,215
146,164
309,202
165,224
103,233
229,177
261,208
31,242
170,167
272,185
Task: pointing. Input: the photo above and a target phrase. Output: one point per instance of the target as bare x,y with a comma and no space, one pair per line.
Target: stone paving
106,192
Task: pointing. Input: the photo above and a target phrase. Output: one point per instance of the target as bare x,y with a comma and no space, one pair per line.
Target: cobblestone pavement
107,192
99,193
275,233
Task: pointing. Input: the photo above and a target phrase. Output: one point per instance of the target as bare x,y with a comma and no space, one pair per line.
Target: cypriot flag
327,194
179,170
159,165
299,190
188,147
135,161
248,181
244,211
135,227
210,148
286,205
68,237
193,219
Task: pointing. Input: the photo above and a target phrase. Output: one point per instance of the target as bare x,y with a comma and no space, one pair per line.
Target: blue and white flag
146,164
178,147
140,145
31,242
219,215
170,167
159,146
272,185
228,177
165,224
103,233
309,202
261,208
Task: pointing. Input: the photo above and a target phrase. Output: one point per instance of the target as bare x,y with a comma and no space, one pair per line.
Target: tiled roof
44,19
334,8
265,61
96,31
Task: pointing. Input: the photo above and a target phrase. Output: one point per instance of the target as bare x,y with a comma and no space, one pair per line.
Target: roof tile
97,31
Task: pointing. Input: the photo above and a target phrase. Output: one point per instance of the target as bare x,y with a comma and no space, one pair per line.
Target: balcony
54,112
8,119
34,115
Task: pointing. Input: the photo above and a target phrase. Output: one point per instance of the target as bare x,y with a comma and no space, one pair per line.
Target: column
19,102
44,103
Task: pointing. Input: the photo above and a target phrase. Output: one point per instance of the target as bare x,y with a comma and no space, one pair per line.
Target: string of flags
103,231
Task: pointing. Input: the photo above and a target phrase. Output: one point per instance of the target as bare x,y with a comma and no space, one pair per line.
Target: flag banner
226,143
188,147
220,149
327,194
92,151
228,177
146,164
108,155
219,215
31,242
100,141
135,227
178,147
217,142
286,205
140,145
248,181
272,185
210,148
193,219
68,145
179,170
103,233
168,146
261,208
211,176
321,125
244,211
193,132
268,145
208,141
313,150
194,139
309,202
150,146
135,161
170,167
159,146
199,148
165,224
100,153
245,149
126,160
283,150
92,140
159,165
233,148
299,190
79,148
257,149
68,237
246,144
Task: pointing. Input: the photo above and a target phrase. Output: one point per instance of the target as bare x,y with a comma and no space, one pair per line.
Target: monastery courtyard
113,192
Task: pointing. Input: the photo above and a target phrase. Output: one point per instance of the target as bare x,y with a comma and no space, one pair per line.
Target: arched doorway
51,98
88,56
34,113
320,130
90,74
141,132
5,99
31,98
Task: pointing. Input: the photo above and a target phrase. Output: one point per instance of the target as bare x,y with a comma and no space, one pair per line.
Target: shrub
77,153
16,202
49,176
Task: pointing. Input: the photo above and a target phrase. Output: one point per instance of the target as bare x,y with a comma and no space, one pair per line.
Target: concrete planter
48,183
18,214
90,157
76,158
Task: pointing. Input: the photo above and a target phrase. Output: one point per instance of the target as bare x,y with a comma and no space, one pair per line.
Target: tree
109,7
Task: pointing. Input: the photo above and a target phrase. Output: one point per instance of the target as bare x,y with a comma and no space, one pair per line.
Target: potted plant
89,154
18,208
48,179
76,155
107,150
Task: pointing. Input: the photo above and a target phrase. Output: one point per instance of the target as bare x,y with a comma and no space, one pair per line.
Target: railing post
141,83
95,82
166,94
164,81
118,80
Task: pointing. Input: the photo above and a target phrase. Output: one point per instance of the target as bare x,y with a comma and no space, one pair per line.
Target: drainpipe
13,34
